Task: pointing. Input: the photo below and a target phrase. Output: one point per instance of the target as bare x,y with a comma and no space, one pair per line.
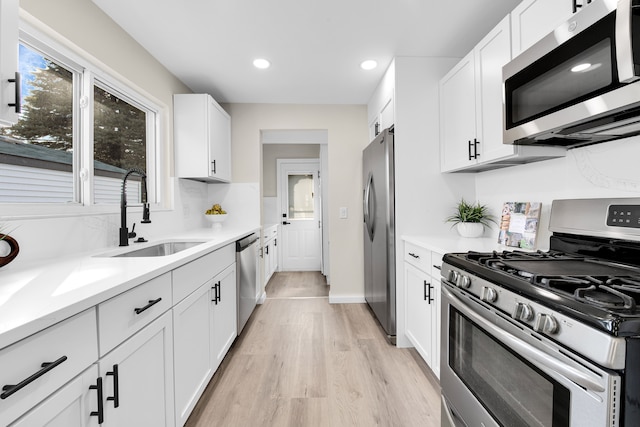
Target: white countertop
447,243
39,295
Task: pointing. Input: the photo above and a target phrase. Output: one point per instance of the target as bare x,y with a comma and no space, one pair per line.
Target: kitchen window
79,131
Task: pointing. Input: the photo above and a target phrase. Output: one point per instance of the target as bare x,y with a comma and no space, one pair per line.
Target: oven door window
515,392
579,69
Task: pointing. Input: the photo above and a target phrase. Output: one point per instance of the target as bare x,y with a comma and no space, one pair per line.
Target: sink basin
160,249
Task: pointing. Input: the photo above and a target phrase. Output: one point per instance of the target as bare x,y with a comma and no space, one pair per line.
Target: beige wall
272,152
348,135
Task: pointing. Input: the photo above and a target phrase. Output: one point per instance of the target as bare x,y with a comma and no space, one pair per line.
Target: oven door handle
527,350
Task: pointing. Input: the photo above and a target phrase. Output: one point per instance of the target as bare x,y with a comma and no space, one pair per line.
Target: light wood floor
305,362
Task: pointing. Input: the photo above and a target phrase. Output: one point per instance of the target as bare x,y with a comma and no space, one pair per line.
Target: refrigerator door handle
368,220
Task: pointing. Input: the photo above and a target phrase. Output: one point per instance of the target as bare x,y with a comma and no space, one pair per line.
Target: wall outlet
344,213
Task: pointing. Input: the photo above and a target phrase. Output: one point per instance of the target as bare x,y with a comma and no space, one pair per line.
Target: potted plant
470,219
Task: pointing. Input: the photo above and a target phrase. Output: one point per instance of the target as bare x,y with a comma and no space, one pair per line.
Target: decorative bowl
216,220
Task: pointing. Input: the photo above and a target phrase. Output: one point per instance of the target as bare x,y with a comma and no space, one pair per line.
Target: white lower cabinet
224,317
138,378
74,405
192,337
422,303
205,327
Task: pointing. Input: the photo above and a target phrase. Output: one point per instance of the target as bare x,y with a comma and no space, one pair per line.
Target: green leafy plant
467,212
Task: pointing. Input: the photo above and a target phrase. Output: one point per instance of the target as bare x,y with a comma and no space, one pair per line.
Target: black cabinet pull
470,155
18,91
216,293
427,295
9,389
275,242
214,166
414,255
116,387
219,291
475,148
100,412
152,302
266,248
437,267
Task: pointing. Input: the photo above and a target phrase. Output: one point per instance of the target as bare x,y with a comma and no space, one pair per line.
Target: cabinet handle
475,148
219,291
152,302
427,294
116,387
9,389
18,91
414,255
275,242
266,248
437,267
214,166
100,412
216,293
470,155
377,129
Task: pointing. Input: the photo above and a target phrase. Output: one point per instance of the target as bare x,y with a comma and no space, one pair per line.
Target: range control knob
488,294
463,281
453,276
523,311
546,323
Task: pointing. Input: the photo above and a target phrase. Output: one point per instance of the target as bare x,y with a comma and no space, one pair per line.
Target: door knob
285,223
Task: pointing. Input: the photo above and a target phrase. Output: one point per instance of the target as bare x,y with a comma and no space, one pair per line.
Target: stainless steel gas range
547,338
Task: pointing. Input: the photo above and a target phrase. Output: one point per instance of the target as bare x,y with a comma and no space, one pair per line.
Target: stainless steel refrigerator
379,230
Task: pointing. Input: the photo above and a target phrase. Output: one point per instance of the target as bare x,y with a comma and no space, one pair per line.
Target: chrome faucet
124,232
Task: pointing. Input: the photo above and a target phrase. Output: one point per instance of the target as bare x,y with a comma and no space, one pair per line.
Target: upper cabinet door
531,20
491,54
9,84
202,138
458,115
220,141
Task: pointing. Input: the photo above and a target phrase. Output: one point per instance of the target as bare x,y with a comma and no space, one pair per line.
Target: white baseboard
262,298
346,299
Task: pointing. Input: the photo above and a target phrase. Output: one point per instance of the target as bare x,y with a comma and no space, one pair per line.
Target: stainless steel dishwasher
246,250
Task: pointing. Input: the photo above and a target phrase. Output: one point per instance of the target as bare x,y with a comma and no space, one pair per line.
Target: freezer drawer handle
152,302
100,412
116,387
414,255
9,389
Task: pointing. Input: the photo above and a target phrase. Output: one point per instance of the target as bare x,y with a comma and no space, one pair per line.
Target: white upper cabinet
471,104
9,81
531,20
202,138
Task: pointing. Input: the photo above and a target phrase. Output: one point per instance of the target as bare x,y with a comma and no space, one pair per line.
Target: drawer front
271,232
436,264
190,277
68,348
417,256
125,314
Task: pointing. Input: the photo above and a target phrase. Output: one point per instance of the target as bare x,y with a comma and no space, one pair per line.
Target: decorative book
519,224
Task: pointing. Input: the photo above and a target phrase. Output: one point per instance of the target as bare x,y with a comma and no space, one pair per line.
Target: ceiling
315,46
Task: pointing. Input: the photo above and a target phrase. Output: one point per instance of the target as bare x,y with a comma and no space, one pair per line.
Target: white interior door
299,197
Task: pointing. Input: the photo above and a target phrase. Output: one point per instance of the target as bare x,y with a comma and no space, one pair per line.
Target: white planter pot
470,229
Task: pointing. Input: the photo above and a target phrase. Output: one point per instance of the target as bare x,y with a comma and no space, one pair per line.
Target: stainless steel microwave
580,84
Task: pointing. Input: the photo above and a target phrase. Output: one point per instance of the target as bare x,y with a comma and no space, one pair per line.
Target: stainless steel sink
160,249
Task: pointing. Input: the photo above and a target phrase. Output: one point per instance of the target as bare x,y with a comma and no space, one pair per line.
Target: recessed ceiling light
261,63
369,64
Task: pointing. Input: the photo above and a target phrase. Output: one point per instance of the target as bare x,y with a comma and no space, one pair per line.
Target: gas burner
605,297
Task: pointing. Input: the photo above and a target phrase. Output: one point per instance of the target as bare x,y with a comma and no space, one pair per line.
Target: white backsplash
602,170
48,238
